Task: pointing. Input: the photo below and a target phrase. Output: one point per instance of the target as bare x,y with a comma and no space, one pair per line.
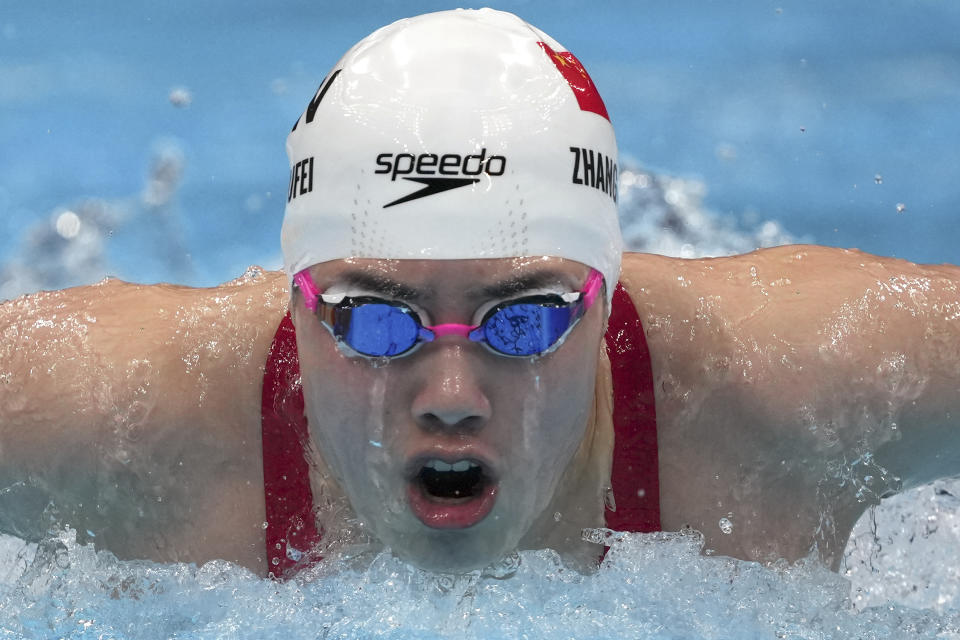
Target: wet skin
136,409
521,419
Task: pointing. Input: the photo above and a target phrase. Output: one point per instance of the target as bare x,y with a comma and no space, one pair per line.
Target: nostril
459,421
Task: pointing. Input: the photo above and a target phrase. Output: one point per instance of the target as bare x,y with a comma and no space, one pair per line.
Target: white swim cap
452,135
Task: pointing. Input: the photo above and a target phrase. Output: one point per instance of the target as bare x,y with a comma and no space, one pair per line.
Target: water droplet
253,272
445,583
294,554
641,493
506,567
68,225
878,179
609,501
557,516
62,557
595,536
726,526
901,207
275,561
264,525
180,97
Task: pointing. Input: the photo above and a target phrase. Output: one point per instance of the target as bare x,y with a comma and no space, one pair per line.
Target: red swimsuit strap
635,475
291,528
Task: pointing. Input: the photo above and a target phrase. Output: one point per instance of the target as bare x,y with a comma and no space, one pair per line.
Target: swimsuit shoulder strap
291,525
635,475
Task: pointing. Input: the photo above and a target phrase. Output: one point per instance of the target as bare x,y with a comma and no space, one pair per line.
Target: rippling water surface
649,586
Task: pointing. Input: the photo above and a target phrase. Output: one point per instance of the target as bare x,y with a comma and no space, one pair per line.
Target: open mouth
461,480
451,495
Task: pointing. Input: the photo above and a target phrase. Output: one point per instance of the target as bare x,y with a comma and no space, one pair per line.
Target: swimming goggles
377,328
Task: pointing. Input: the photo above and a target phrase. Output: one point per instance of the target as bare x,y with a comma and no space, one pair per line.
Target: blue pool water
823,116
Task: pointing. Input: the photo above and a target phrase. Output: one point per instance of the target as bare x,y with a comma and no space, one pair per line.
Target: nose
450,396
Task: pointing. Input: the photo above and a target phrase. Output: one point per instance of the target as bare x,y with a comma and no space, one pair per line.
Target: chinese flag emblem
576,76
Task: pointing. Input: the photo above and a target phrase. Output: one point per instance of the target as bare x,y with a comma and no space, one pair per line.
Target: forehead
473,279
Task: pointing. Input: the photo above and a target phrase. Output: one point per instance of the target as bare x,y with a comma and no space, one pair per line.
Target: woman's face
449,453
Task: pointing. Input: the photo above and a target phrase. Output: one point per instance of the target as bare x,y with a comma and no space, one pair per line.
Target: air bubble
901,207
726,526
878,179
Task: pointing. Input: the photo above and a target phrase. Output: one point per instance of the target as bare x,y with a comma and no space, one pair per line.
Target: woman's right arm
131,413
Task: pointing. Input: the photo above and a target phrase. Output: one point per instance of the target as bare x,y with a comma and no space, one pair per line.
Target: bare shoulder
837,301
804,328
136,411
83,345
807,379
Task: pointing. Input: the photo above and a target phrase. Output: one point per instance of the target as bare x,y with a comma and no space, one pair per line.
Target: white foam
650,586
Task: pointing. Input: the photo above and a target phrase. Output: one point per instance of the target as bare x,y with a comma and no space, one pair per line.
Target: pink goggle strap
309,289
591,288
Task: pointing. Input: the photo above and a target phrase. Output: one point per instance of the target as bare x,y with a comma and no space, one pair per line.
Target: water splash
649,586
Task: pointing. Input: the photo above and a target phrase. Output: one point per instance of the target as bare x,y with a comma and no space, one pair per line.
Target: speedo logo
438,173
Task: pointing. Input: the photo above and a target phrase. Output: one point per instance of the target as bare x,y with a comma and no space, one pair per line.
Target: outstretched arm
798,385
132,414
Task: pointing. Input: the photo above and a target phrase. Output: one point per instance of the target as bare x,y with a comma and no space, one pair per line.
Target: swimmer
459,361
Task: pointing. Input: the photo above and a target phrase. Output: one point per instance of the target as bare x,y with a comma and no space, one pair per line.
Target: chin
447,551
451,557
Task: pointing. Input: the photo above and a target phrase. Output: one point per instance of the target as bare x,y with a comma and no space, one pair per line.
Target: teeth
440,465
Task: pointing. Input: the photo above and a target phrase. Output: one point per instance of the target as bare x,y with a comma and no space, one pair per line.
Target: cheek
557,407
569,378
568,398
344,397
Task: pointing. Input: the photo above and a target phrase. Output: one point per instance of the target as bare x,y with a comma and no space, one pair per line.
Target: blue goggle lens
378,329
526,329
